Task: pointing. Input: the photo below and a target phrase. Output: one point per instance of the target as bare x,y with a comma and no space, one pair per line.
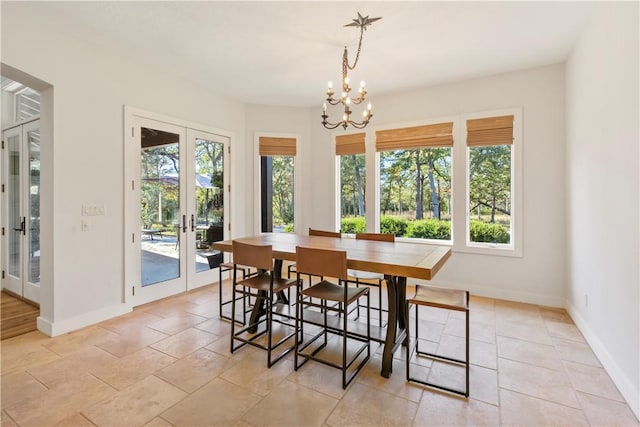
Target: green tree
490,179
283,189
352,184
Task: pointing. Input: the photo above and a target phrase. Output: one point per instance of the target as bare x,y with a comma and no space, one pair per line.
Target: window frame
297,208
513,249
337,164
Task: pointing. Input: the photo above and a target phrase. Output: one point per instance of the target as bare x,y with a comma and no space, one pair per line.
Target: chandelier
345,99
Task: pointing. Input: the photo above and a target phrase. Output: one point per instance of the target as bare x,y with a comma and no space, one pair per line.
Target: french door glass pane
33,141
160,206
15,219
209,202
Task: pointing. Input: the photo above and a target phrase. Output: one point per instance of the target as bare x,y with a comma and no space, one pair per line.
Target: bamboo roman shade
272,146
436,135
350,144
490,131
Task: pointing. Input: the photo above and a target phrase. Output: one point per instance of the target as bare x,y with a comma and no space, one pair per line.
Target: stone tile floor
168,363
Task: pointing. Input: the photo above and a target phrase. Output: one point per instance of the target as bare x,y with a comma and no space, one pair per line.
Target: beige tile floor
168,363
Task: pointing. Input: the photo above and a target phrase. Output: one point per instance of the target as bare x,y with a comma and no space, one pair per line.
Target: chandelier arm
330,125
359,125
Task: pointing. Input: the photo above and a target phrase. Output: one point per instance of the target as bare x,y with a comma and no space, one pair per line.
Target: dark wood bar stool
448,299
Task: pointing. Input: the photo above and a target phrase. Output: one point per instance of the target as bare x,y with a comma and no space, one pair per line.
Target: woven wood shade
490,131
271,146
436,135
350,144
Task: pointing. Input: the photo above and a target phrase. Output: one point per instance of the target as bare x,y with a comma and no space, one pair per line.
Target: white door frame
132,223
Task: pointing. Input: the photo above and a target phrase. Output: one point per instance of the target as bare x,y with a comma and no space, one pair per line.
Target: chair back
381,237
258,256
321,262
314,232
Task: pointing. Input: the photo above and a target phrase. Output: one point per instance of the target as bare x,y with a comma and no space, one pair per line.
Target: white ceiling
284,53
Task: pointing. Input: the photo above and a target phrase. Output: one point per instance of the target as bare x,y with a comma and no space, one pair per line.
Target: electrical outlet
84,225
586,300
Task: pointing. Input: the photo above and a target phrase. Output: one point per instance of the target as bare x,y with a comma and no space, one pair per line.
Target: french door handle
23,226
193,223
184,223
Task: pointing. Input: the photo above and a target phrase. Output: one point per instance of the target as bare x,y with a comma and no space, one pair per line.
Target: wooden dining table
396,260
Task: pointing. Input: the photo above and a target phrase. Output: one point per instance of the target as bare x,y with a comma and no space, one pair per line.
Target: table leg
258,308
396,332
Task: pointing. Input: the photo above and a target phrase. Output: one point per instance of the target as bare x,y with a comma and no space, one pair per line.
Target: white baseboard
630,393
60,327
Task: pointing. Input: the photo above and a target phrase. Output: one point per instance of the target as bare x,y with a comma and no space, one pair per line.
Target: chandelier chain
355,62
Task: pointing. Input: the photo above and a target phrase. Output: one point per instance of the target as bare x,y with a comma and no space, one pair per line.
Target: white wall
287,121
538,276
602,189
91,86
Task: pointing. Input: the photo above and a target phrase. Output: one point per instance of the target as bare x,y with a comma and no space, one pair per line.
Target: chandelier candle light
345,99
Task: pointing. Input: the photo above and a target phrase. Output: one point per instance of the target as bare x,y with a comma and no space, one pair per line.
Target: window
424,185
415,181
277,159
24,101
490,185
27,104
350,151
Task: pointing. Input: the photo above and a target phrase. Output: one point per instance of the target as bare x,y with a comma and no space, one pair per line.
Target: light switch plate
90,209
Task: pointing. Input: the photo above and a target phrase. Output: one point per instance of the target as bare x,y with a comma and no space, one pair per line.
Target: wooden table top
404,259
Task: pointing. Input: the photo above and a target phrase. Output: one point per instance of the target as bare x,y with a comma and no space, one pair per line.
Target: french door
178,208
21,213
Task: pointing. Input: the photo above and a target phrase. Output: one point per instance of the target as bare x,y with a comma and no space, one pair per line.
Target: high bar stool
246,272
216,260
448,299
291,269
368,278
263,287
329,263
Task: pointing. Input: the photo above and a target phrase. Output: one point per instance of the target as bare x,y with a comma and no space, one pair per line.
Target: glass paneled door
178,196
21,166
162,210
208,204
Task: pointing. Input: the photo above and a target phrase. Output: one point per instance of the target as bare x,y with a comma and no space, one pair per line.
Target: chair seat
451,299
365,275
332,292
262,282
